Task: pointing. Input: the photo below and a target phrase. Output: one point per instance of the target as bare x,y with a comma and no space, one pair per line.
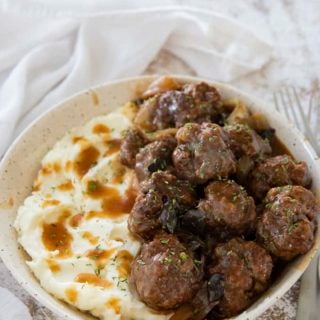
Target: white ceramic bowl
19,167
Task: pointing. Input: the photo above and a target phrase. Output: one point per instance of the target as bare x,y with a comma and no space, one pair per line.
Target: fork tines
288,103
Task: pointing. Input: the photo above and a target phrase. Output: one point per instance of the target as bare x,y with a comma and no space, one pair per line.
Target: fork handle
309,297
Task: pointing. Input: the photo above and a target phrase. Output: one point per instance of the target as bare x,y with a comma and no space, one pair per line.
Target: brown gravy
118,170
90,237
55,236
94,97
68,166
50,203
92,279
76,220
71,294
79,140
113,146
114,204
100,128
122,204
66,186
50,168
53,266
124,259
85,160
278,147
100,256
114,303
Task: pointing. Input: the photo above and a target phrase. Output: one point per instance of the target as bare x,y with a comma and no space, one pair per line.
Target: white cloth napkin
11,308
46,56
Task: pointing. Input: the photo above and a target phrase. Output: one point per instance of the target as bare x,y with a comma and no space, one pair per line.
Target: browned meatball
244,141
202,153
287,225
227,205
160,198
205,107
165,274
171,187
154,156
194,103
133,140
275,172
144,217
246,268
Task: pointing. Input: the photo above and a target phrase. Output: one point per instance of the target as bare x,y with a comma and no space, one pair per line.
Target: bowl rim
246,314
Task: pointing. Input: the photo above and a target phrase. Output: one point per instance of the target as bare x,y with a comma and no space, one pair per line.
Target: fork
288,103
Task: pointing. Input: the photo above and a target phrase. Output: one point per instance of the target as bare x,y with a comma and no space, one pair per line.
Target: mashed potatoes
74,224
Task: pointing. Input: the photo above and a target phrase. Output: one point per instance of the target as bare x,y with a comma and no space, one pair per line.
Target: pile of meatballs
217,210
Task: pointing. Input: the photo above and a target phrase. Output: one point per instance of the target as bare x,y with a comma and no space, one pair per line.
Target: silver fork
288,103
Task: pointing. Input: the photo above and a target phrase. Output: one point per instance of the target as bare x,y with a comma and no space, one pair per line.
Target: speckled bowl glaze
19,167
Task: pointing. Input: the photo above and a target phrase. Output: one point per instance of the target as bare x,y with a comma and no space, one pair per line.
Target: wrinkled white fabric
11,308
47,54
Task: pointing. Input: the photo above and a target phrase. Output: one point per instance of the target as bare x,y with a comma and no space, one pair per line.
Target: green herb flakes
92,186
183,256
164,241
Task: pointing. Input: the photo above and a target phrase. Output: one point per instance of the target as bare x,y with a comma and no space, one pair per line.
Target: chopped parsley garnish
203,106
197,262
92,186
93,164
167,260
157,164
235,197
164,241
121,283
268,205
293,227
183,256
285,160
97,271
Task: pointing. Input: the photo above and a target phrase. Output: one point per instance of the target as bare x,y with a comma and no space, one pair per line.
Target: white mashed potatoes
74,224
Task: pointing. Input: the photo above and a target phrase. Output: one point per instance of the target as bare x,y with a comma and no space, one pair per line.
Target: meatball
161,198
227,206
170,104
165,274
275,172
287,226
144,217
202,153
244,141
194,103
206,105
154,156
133,140
246,268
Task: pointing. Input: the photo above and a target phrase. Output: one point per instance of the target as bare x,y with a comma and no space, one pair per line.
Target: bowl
19,167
